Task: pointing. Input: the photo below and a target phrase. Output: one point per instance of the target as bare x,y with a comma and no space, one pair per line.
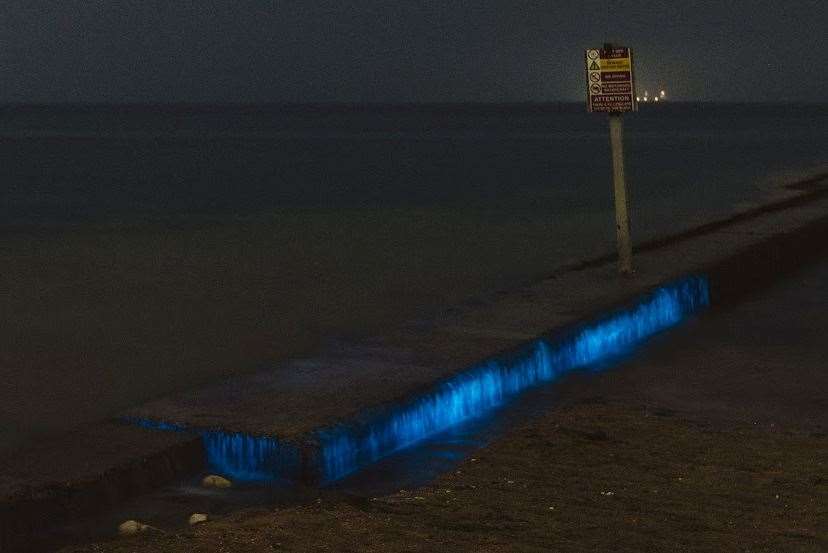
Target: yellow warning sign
619,64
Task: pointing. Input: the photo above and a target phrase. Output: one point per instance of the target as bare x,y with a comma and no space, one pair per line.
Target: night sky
412,51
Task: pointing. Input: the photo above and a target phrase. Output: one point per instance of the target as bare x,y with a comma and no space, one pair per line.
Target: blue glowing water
251,458
240,456
488,386
345,448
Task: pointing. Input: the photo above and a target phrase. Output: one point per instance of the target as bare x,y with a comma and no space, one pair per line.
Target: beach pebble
197,518
213,481
131,527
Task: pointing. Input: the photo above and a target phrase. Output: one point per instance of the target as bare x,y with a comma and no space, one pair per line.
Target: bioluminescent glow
345,448
240,456
250,458
154,425
486,387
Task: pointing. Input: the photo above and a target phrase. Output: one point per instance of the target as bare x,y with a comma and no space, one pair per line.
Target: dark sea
127,164
147,250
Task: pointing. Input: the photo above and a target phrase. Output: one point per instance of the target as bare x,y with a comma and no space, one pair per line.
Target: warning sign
610,85
615,65
623,76
615,88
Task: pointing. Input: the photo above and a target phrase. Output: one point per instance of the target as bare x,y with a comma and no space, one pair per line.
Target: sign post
610,89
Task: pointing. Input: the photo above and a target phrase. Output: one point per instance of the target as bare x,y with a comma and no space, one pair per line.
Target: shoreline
614,478
525,312
682,447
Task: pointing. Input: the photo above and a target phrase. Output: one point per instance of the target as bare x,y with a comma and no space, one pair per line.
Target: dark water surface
75,164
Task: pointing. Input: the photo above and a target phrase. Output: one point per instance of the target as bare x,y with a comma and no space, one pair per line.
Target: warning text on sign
610,86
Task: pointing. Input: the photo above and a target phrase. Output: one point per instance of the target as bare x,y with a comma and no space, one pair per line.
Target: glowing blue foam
344,449
486,387
240,456
245,457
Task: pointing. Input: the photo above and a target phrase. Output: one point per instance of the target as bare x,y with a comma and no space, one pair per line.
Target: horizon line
384,105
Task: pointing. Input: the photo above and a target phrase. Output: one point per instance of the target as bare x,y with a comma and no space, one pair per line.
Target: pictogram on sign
610,87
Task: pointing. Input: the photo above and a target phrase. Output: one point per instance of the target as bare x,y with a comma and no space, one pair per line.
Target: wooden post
622,217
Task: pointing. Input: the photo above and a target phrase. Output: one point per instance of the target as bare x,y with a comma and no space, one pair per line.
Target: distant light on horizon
658,96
